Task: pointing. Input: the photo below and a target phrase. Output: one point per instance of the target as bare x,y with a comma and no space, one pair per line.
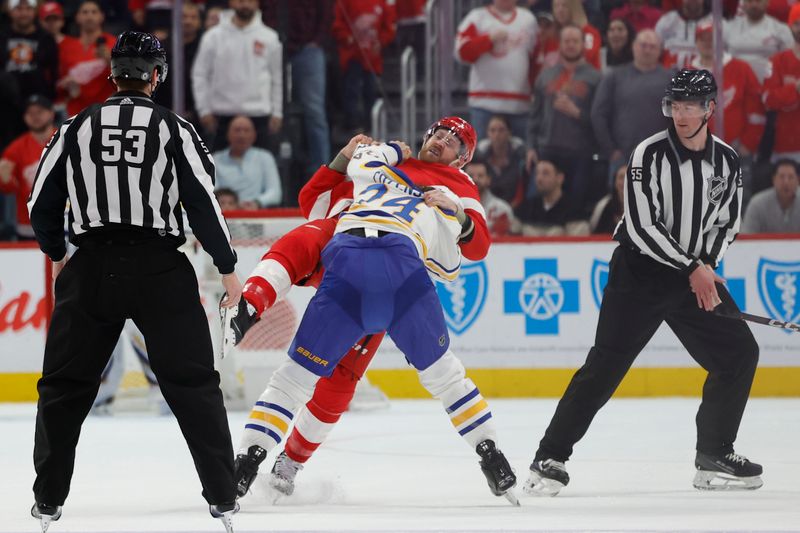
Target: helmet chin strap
702,125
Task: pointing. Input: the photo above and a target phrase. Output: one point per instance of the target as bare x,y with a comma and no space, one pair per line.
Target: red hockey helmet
461,129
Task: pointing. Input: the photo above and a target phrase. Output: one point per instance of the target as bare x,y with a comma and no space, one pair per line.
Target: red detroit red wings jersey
328,193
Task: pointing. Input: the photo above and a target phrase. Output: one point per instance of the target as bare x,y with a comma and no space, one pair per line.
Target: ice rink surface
405,469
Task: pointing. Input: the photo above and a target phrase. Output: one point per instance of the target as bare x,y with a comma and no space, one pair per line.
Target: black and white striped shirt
124,164
680,205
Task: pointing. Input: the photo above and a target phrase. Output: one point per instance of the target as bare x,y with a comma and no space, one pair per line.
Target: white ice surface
405,469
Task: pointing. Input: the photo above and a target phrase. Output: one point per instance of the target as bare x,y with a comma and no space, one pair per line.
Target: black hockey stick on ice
791,326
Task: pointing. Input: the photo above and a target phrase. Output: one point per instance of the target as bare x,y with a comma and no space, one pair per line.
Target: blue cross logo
735,287
541,296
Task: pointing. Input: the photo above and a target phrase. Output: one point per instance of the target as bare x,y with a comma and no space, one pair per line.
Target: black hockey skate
246,468
726,472
236,321
497,471
225,512
45,514
547,478
283,473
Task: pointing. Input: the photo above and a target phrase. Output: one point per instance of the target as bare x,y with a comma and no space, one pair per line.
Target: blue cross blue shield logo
599,280
542,296
463,299
779,288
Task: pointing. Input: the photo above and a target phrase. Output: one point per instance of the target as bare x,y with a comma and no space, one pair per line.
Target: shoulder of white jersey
637,156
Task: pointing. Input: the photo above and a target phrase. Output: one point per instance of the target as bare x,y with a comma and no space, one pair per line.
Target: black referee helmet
690,85
135,55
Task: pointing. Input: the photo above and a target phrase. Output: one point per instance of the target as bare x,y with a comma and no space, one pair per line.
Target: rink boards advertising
521,320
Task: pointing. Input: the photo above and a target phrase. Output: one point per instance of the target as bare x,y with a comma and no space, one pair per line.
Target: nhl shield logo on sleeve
463,299
779,288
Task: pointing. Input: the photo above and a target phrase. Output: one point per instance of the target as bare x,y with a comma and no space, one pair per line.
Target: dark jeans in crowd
308,80
578,170
359,92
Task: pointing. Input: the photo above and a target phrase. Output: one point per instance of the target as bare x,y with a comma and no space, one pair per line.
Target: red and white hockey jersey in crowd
362,28
499,78
781,95
741,97
757,42
328,193
677,34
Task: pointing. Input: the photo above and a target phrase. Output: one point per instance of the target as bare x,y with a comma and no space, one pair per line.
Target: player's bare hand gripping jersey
386,199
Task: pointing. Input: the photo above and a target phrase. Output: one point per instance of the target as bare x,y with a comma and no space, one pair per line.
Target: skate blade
227,521
46,520
707,480
228,335
539,486
512,498
280,486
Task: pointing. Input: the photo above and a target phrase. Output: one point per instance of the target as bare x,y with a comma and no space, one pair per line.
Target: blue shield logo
599,280
463,299
779,288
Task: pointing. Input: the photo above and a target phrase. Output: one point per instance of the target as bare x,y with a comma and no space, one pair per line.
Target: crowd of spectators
590,100
559,92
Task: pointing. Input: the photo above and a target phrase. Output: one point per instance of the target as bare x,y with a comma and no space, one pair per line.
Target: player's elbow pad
467,231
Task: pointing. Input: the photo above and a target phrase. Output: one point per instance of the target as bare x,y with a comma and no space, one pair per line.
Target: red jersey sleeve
777,95
326,194
471,45
12,154
754,111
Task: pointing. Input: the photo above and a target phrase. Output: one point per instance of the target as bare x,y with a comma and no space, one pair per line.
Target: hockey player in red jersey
327,194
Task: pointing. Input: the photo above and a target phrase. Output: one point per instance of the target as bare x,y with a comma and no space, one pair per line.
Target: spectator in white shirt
676,30
238,70
755,37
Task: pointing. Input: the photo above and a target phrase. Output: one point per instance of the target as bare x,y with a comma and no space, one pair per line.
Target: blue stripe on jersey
262,429
475,424
462,401
276,407
442,266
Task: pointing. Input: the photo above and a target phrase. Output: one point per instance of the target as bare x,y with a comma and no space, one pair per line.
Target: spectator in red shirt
782,94
638,13
740,98
362,29
85,60
51,19
20,160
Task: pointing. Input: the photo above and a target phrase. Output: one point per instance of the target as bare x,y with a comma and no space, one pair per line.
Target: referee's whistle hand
702,282
233,290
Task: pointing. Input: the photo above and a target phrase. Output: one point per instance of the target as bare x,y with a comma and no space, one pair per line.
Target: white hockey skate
236,321
728,472
225,513
546,478
45,514
283,473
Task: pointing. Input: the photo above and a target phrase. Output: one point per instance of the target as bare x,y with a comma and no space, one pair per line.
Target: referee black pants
640,295
98,289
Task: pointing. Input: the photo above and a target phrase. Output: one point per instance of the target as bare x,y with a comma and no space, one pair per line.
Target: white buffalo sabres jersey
385,198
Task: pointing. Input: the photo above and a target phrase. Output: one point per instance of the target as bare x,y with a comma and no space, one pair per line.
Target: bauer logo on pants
463,299
779,288
541,296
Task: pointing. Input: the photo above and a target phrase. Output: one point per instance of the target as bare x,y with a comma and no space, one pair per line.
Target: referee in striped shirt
128,167
682,210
